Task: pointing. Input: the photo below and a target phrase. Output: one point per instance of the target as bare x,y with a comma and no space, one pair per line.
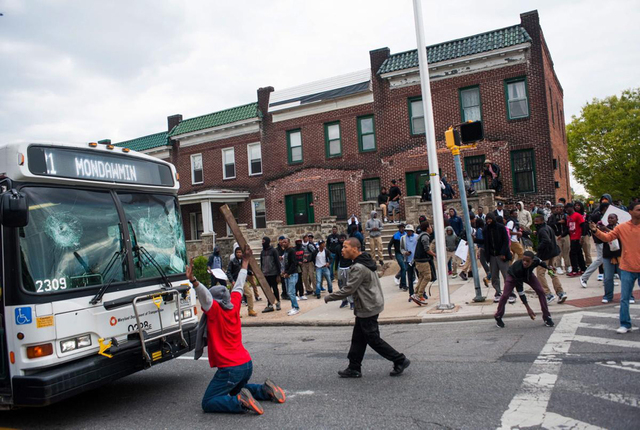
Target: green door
299,209
416,181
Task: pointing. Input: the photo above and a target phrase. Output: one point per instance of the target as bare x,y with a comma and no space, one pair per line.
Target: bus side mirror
14,209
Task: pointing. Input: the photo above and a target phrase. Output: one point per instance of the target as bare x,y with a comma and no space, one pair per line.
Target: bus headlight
186,314
75,343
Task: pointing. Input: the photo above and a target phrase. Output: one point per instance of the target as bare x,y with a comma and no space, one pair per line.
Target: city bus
92,273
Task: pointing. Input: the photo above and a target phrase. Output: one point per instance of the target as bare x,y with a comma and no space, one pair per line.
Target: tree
604,145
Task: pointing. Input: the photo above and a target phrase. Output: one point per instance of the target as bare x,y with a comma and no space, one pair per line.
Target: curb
404,320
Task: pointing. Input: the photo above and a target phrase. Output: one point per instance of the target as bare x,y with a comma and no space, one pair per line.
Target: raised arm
605,236
204,296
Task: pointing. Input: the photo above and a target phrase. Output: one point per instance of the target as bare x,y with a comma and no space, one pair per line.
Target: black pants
299,286
273,283
577,257
216,281
366,332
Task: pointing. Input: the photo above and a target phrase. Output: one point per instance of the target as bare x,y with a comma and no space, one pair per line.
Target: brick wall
398,151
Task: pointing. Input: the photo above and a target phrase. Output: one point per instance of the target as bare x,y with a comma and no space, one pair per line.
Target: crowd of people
523,245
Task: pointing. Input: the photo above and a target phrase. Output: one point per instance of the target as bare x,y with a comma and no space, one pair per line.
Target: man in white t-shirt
514,232
322,261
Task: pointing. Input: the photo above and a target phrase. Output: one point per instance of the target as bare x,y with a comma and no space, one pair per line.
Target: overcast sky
85,70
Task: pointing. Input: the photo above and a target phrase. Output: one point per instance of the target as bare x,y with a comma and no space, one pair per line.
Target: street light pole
432,153
467,225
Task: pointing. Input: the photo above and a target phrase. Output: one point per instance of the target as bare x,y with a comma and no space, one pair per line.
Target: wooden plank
242,242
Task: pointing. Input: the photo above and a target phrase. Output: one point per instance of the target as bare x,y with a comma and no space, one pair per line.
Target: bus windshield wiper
120,255
142,252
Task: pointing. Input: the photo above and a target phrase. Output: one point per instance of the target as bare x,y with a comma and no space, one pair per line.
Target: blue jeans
323,272
627,280
403,270
292,280
221,394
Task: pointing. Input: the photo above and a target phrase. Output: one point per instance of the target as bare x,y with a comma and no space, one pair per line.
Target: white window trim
253,211
224,170
249,159
193,182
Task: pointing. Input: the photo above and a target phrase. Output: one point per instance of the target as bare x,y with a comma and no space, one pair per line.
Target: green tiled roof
216,119
146,142
476,44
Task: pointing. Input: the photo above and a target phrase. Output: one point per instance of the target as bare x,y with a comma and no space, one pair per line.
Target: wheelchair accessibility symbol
23,316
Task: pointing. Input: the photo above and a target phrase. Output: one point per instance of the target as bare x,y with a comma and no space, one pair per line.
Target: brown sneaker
252,313
248,402
276,393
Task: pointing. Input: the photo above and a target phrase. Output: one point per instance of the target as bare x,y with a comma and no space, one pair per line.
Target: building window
338,201
474,167
333,143
555,164
416,114
196,225
259,213
366,134
370,189
523,170
294,146
470,104
557,184
197,174
228,163
255,159
553,119
517,100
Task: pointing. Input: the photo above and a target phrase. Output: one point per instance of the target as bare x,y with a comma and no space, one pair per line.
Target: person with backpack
270,265
408,244
397,254
548,250
423,259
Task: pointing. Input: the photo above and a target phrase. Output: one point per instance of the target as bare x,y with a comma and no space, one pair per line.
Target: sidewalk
399,310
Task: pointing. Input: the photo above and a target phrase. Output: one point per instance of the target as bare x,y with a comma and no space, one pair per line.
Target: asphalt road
463,375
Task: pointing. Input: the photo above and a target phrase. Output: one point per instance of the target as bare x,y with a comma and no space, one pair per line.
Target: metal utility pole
434,174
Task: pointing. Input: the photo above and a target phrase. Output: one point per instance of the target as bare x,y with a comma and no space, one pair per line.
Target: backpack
421,253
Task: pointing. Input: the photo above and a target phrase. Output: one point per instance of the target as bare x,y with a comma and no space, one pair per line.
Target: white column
207,217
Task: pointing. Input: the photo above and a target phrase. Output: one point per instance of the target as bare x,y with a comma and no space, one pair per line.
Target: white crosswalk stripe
528,408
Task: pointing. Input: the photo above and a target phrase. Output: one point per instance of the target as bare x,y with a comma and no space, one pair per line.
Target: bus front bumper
61,382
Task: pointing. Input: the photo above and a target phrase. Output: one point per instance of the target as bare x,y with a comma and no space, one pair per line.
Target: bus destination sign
96,166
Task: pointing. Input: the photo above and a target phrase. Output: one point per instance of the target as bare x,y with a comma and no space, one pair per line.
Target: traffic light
471,132
452,137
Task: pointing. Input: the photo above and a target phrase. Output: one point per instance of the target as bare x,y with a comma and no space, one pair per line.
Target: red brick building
317,150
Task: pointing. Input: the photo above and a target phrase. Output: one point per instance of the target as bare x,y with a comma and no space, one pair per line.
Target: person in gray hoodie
374,227
364,284
451,241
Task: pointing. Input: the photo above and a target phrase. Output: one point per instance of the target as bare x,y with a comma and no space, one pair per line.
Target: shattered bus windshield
154,222
71,237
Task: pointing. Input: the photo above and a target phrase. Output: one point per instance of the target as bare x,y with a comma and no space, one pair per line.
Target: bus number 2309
48,285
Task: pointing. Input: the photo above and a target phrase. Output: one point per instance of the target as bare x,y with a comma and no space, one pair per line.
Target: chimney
377,57
531,22
263,100
172,121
